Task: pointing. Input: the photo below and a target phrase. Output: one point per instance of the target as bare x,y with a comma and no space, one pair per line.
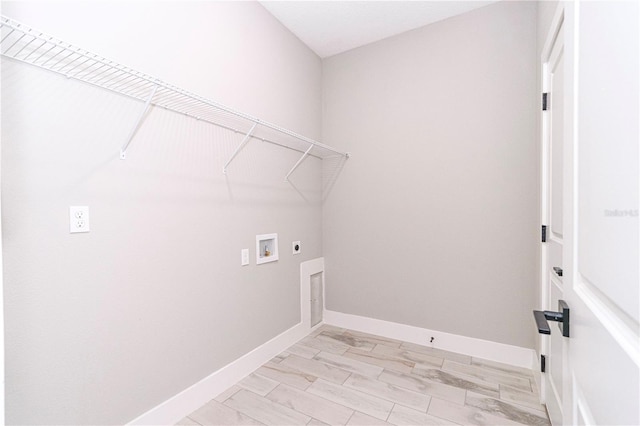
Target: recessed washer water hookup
266,248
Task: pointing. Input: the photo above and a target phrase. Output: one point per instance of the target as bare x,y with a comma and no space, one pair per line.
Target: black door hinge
546,101
544,233
543,363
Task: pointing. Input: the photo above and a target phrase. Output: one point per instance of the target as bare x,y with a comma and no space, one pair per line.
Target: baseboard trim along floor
175,408
493,351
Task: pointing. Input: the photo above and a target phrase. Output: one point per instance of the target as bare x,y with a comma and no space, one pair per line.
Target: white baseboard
177,407
500,352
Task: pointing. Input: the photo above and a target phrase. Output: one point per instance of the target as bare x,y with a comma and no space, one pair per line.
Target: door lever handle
557,270
562,317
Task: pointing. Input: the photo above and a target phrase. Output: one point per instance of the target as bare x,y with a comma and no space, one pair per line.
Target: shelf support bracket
295,166
147,104
239,148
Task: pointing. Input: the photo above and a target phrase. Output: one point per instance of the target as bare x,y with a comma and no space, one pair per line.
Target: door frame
2,367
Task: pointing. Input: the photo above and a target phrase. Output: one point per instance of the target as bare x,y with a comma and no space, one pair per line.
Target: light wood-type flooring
336,377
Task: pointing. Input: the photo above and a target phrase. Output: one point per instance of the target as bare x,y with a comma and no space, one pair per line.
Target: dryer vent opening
317,299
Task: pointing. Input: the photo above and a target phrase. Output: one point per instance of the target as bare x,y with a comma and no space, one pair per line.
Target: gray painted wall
434,221
436,211
101,327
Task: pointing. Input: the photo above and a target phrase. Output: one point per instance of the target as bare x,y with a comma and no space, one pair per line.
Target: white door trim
2,370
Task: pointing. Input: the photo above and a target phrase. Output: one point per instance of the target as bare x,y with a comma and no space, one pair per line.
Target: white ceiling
332,27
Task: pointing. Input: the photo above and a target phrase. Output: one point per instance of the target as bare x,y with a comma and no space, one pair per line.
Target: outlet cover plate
78,219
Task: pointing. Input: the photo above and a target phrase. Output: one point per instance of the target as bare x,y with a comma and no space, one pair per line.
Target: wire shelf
24,44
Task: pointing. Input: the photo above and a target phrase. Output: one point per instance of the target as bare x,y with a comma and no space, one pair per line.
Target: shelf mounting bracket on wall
136,126
295,166
239,148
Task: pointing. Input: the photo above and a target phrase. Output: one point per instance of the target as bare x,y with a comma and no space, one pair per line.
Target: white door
599,377
553,81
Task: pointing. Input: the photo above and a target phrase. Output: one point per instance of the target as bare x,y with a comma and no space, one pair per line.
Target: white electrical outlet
296,248
78,219
244,254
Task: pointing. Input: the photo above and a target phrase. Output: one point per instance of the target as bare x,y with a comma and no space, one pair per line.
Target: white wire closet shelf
27,45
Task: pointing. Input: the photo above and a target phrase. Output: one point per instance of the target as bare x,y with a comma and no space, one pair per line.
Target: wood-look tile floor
337,377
